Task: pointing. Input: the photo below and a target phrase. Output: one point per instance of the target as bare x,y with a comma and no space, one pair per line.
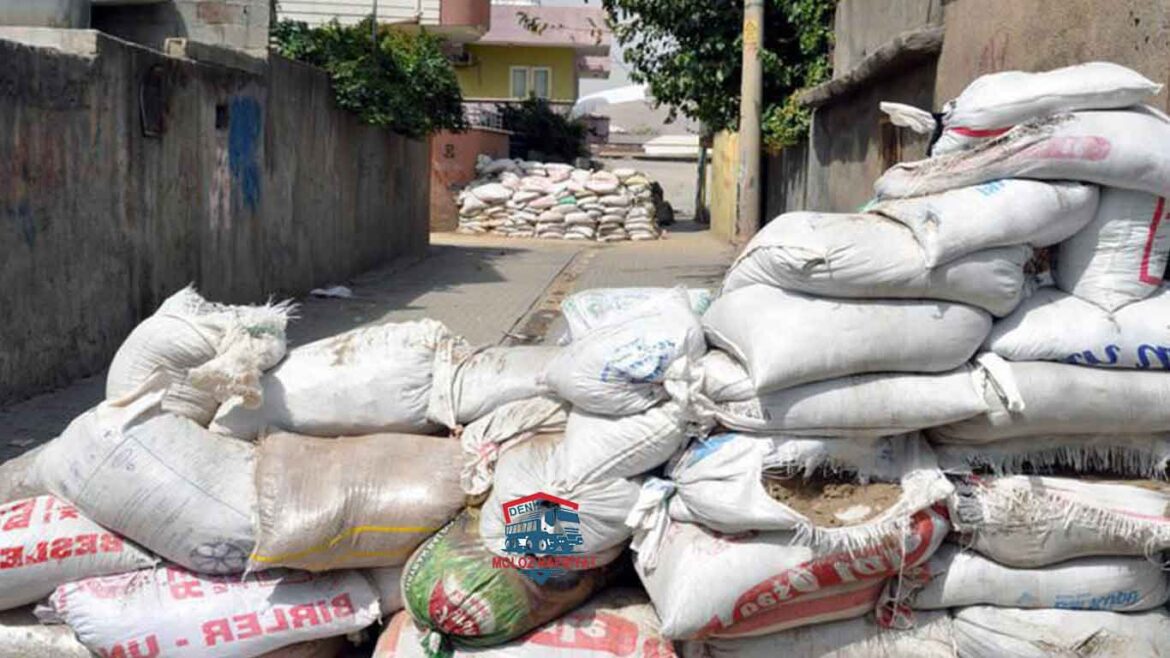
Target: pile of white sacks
522,199
893,433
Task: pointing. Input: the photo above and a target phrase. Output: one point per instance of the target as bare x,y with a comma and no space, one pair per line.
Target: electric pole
748,208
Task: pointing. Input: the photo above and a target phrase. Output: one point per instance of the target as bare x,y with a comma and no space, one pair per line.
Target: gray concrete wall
239,24
256,186
861,26
785,177
984,36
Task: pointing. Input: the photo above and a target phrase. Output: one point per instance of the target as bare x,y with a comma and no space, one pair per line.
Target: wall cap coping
904,49
206,53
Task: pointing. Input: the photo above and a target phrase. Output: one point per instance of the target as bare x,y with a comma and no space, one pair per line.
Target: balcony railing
487,113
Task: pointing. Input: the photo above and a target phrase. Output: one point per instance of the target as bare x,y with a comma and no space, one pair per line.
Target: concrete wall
861,26
490,76
453,158
785,180
984,36
239,24
253,186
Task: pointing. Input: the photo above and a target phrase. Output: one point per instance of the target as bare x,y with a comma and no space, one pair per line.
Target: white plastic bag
528,468
787,338
469,386
372,379
1120,256
1037,398
209,353
599,448
1054,326
998,101
991,632
618,623
159,480
1126,149
931,637
954,578
709,585
620,369
1031,521
586,310
45,542
173,612
871,256
859,406
999,213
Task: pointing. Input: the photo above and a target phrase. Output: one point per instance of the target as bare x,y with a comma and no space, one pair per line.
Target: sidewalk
490,290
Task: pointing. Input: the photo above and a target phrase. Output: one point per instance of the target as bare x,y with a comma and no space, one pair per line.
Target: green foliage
544,130
401,81
690,53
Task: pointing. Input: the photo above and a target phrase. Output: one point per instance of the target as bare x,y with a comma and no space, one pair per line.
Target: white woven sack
468,386
599,448
171,612
870,256
1054,326
45,542
1036,398
586,310
1120,257
159,480
1000,213
19,478
368,380
830,338
1032,521
1126,149
953,578
991,632
209,352
851,638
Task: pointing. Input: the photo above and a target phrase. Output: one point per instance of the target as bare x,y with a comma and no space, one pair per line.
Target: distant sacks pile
522,199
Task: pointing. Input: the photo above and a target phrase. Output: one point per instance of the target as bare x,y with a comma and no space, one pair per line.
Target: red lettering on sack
188,588
39,554
1073,147
68,512
111,544
215,630
600,632
61,548
132,649
19,515
247,626
85,545
281,622
303,615
323,606
342,606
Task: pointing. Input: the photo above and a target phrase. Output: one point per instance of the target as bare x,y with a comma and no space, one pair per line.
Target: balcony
486,113
458,21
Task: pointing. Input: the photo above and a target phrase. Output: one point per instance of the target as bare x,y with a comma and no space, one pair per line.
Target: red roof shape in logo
540,495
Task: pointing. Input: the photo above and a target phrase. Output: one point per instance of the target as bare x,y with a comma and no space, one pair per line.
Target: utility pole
748,211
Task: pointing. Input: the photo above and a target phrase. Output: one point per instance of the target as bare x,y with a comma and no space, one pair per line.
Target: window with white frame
531,81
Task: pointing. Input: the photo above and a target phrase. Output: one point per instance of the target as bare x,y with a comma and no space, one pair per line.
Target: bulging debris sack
1033,521
19,478
600,448
159,480
991,632
997,101
931,637
586,310
209,352
1055,326
1035,398
621,368
953,578
371,379
483,439
617,622
724,378
871,256
173,612
387,582
1000,213
1119,257
469,386
736,483
45,542
352,502
530,511
710,585
1126,149
463,596
893,404
876,336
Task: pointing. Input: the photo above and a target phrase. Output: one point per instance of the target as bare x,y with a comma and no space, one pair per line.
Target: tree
402,81
553,134
690,54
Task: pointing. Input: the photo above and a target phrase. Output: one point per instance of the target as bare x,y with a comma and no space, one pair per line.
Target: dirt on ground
833,501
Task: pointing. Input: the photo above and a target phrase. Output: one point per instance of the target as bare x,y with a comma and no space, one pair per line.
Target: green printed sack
462,595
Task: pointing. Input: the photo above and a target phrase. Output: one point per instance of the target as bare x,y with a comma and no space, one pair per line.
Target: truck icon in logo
539,529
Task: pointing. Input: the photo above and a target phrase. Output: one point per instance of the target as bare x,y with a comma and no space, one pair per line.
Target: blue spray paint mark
24,219
243,147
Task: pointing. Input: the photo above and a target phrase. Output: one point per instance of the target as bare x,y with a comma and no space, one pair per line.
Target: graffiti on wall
245,124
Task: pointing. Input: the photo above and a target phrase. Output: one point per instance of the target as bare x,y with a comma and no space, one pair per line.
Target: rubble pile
933,428
522,199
